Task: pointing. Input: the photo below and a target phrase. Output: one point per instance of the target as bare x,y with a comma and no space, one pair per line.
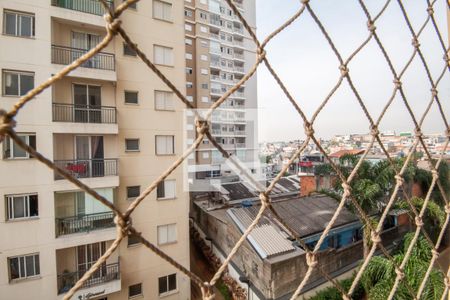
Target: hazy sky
305,62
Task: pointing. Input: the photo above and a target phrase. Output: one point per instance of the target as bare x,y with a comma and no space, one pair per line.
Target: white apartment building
219,52
114,125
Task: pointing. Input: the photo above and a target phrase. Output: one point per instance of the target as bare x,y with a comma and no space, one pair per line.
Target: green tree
379,276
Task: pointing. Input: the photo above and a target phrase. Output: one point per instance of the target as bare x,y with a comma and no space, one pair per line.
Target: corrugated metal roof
265,238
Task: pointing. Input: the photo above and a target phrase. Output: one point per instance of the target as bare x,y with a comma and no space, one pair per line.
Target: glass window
11,150
135,290
167,234
133,240
163,55
167,284
166,189
164,144
18,24
16,83
162,10
22,206
164,100
24,266
127,50
131,144
131,97
133,191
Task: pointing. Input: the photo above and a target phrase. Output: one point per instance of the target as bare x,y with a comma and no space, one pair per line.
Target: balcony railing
66,55
84,223
238,55
104,274
88,6
86,168
84,113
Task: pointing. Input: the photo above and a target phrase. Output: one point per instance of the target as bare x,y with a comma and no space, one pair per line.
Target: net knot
123,222
112,24
346,188
304,2
398,83
418,133
415,43
399,179
309,131
375,237
264,199
419,221
430,10
447,209
6,123
374,130
371,26
344,70
435,253
201,126
311,259
399,273
261,53
206,292
435,174
434,92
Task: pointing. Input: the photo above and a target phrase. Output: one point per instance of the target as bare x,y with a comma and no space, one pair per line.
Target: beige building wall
54,26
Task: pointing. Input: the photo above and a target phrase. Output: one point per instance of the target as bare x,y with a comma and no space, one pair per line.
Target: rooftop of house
341,153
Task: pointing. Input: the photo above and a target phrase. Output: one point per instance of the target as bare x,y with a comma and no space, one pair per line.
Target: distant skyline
305,62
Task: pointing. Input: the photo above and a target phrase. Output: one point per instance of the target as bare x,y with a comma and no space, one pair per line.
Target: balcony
66,55
238,56
88,168
87,6
84,223
63,112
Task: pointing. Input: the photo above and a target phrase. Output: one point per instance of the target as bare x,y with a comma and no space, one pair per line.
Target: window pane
133,191
133,240
32,141
22,266
172,233
162,284
172,282
37,264
29,266
134,290
11,84
14,267
127,50
132,144
19,207
25,25
131,97
160,191
10,23
33,205
26,83
162,234
19,152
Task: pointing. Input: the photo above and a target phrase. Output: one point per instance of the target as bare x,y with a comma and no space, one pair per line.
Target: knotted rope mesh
123,220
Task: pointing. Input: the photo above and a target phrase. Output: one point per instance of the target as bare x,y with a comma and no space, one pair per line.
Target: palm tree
379,276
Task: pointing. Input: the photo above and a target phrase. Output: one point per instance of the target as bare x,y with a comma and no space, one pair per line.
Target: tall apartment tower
111,123
219,52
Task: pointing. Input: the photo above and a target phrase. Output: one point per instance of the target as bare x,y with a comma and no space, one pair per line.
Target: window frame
133,186
164,63
19,74
10,144
137,295
170,19
171,106
169,291
131,53
171,197
156,145
9,201
129,92
167,240
132,150
18,25
37,273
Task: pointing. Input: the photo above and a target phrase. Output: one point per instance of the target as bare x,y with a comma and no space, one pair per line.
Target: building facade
113,124
219,52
